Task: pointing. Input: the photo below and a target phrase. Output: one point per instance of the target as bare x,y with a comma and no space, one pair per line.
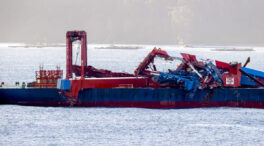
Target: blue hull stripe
166,94
52,96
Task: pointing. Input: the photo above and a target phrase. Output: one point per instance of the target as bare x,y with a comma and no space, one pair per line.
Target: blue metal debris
214,72
247,81
255,73
190,82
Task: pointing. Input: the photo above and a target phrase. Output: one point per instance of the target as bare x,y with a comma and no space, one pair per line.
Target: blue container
63,84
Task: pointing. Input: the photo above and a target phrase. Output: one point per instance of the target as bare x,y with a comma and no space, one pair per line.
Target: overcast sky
196,22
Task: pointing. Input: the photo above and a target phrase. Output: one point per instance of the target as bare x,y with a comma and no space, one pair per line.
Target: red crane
72,36
84,70
141,69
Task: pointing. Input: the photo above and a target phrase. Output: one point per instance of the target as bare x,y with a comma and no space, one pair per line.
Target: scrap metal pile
193,74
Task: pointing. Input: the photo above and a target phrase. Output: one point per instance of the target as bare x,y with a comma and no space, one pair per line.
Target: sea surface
26,125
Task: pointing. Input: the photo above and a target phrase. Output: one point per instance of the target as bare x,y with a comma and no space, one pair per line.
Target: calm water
25,125
130,126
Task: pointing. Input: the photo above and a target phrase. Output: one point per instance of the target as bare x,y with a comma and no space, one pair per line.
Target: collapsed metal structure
191,74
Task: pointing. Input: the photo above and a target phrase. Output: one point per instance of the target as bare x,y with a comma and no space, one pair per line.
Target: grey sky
207,22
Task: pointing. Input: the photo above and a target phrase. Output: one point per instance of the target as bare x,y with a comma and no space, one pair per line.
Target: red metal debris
141,69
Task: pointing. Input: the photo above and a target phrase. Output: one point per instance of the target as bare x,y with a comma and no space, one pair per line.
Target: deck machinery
194,83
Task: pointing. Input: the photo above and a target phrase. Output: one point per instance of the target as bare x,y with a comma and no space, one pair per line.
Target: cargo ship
195,82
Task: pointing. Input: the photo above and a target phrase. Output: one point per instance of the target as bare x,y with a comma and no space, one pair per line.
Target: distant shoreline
37,45
233,49
119,47
131,46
